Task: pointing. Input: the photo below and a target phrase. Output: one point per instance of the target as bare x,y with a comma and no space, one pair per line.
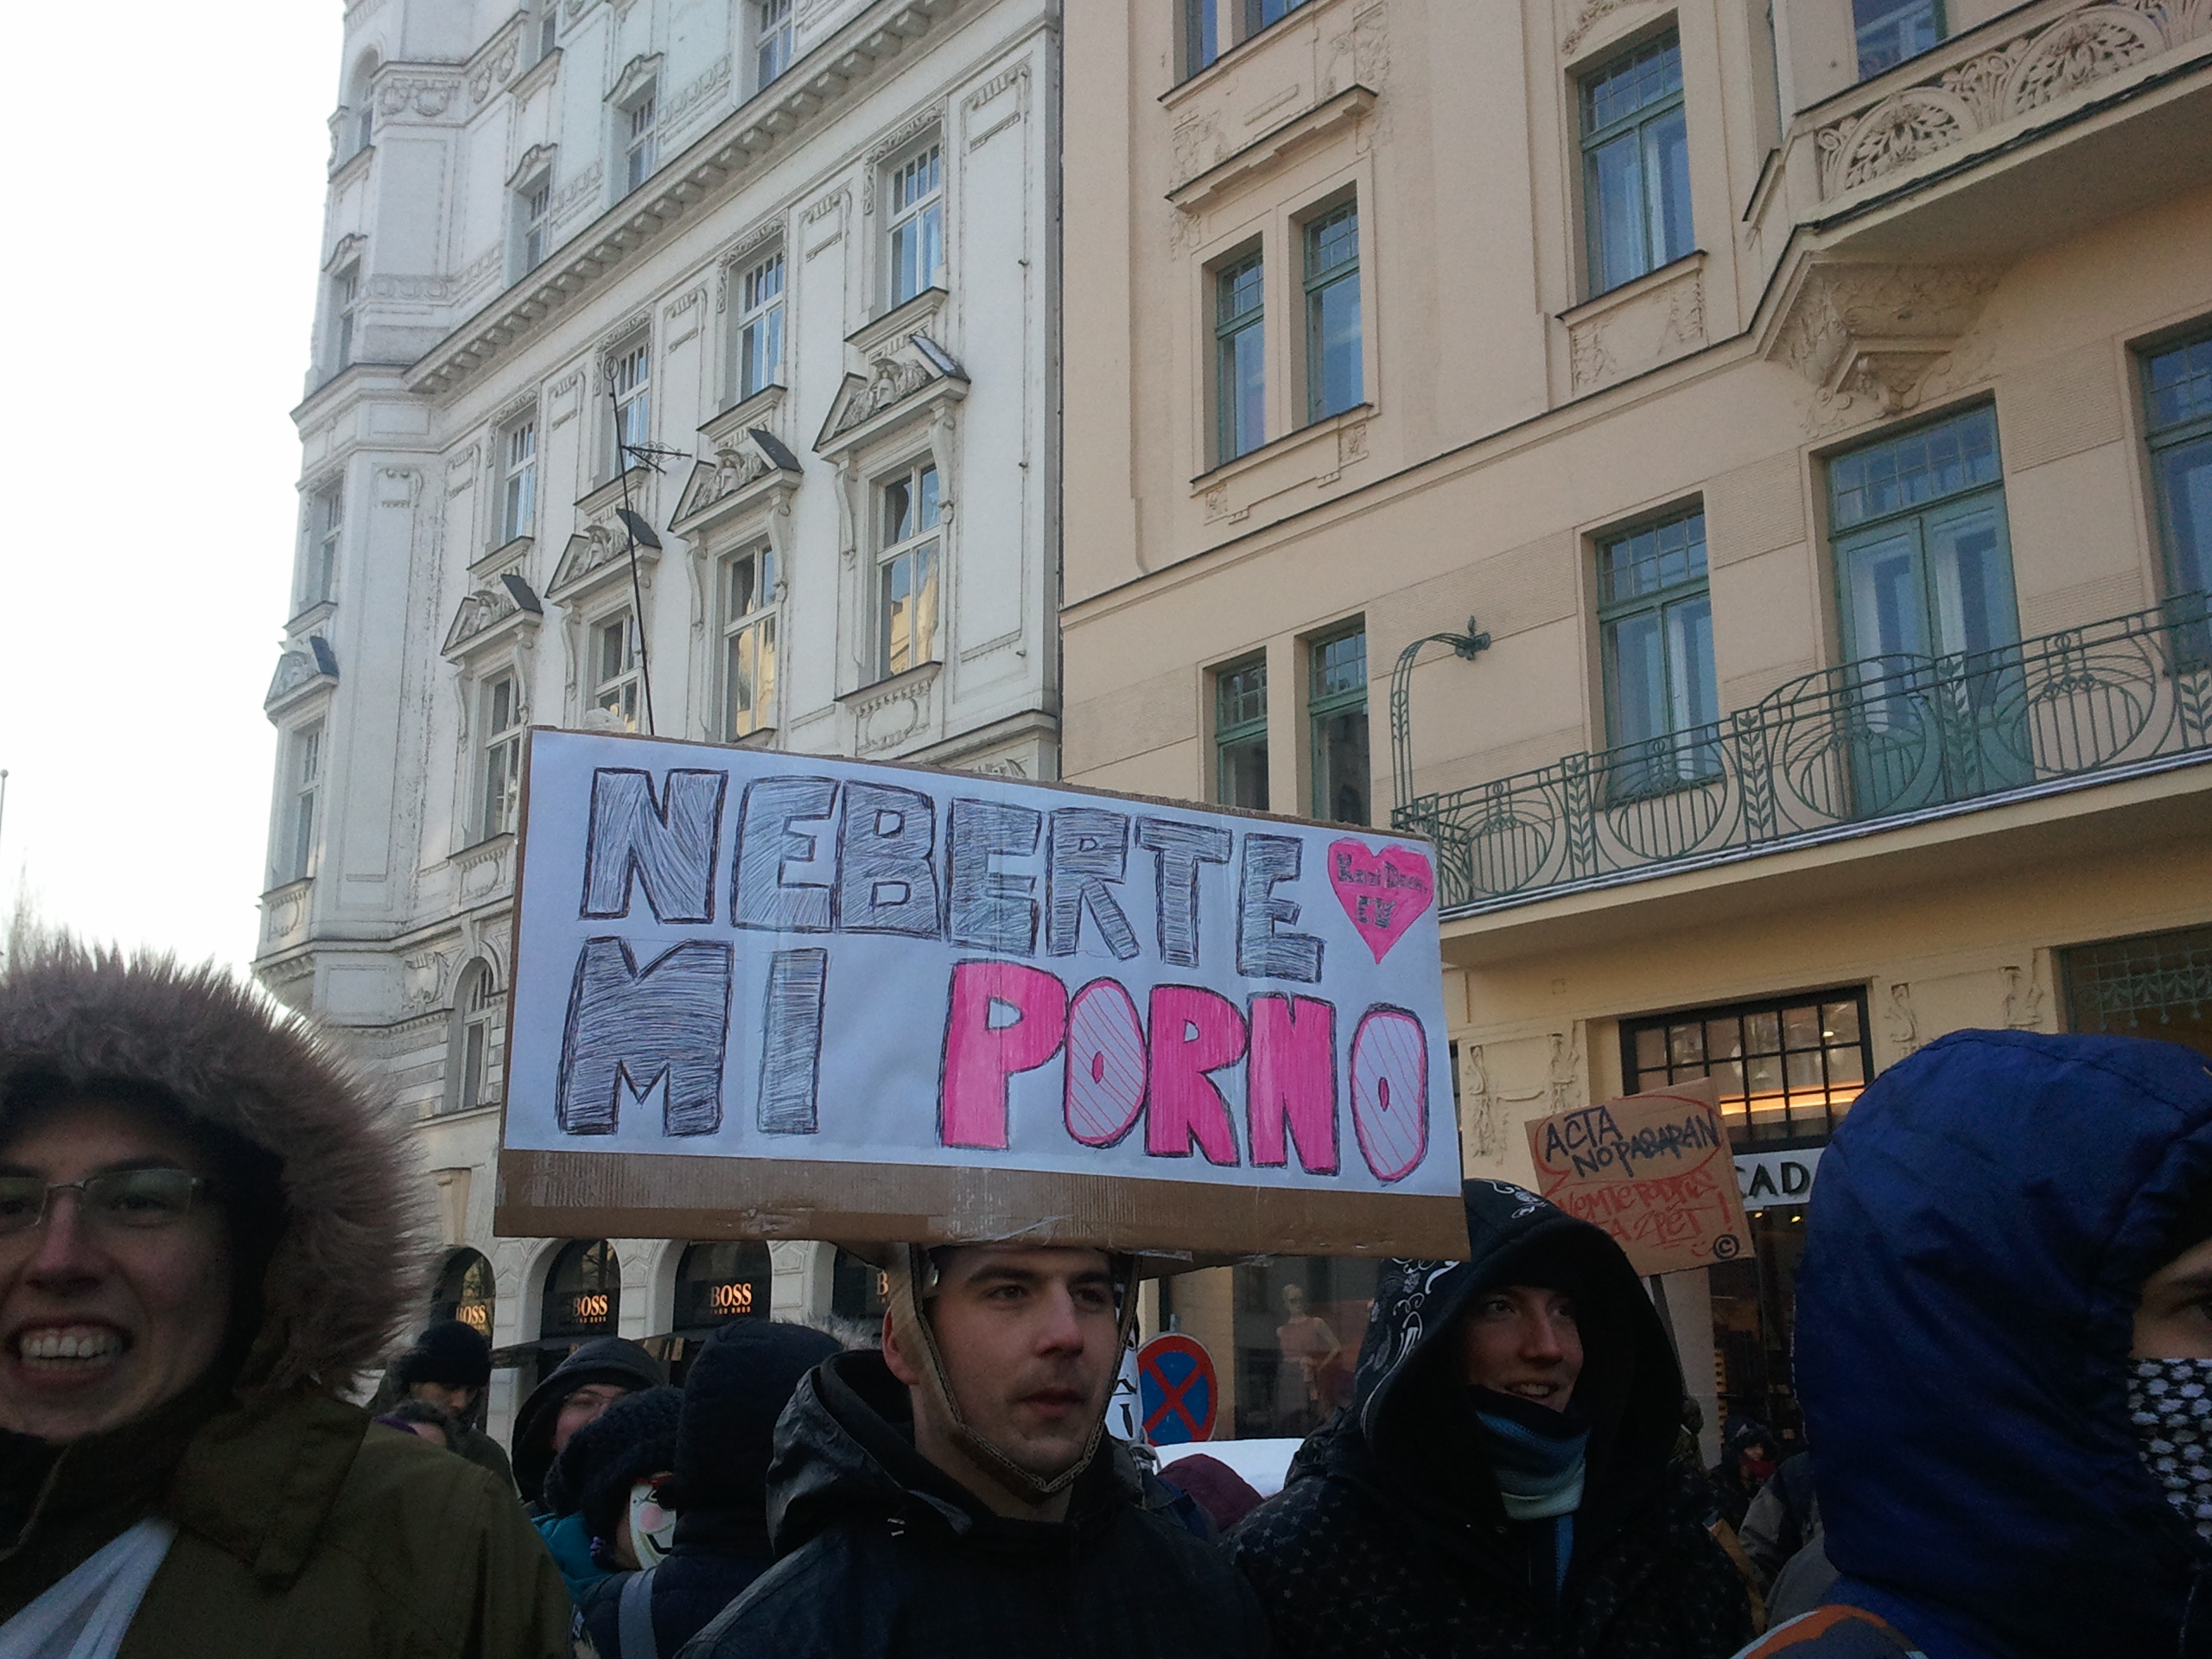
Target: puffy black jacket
883,1553
1390,1541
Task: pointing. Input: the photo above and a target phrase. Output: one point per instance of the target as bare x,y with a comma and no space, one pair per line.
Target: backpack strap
635,1617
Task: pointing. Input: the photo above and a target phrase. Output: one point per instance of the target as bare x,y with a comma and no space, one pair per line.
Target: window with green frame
1334,378
1636,164
1336,713
1240,374
1655,622
2177,388
1240,733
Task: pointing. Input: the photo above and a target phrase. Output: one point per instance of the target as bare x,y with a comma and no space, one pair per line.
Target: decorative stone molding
504,608
485,871
1593,13
284,920
1876,331
917,374
422,980
896,140
681,109
1637,327
494,64
1205,176
461,471
413,290
426,96
348,248
637,75
733,479
889,716
683,318
537,159
301,671
2039,66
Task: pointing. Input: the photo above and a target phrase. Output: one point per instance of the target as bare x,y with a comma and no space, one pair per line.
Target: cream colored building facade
1816,419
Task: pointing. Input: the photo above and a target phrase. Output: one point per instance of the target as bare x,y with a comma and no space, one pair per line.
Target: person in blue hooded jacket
2004,1351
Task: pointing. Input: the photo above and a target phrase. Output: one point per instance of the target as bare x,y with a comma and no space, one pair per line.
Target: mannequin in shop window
1309,1348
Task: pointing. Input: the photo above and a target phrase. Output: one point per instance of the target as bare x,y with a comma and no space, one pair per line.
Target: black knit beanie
738,1385
450,1353
632,1439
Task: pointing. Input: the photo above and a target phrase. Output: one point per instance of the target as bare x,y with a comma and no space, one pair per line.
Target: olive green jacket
302,1529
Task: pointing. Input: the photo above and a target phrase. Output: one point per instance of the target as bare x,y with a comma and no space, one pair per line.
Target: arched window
361,106
465,1292
717,1283
475,1020
858,1288
583,1292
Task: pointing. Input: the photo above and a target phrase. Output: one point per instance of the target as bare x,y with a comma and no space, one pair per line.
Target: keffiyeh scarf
2170,1403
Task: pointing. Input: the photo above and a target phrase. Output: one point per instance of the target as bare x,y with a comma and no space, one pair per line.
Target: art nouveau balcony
2025,127
1837,756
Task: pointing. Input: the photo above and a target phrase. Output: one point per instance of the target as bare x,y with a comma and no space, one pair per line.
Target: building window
633,403
1636,164
533,208
502,718
478,1006
1921,548
1201,34
1258,14
518,482
1786,1070
296,859
1890,31
2156,985
771,22
1336,710
1240,369
917,225
326,529
466,1291
1656,625
1240,733
548,28
583,1292
345,313
907,573
641,139
2177,384
760,325
1334,382
748,643
614,677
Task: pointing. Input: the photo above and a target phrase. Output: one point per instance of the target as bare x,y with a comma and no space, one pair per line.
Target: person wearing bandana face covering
2004,1349
957,1493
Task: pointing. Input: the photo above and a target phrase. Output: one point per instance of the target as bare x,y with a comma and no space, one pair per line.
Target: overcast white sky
163,210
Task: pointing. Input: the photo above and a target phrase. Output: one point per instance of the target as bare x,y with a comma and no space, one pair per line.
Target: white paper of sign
742,955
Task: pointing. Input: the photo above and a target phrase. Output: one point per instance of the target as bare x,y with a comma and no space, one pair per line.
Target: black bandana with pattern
2170,1403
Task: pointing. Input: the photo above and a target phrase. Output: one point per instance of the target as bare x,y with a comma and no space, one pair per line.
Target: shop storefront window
465,1292
1298,1323
1785,1071
858,1289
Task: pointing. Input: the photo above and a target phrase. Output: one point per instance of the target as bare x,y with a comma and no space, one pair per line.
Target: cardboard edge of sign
589,1195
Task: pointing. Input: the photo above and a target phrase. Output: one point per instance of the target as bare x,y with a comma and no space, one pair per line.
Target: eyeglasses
123,1197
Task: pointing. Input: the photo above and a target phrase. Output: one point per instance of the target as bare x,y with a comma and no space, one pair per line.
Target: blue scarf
1537,1458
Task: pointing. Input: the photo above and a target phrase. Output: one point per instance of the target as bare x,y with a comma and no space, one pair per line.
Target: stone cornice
706,171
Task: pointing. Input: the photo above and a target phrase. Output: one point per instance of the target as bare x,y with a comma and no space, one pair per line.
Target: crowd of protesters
209,1234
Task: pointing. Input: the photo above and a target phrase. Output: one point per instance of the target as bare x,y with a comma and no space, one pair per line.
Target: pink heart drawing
1381,892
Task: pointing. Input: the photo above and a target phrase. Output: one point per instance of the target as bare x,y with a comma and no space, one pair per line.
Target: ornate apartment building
761,289
1789,429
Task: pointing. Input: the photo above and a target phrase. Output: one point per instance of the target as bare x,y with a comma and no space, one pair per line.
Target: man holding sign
951,1494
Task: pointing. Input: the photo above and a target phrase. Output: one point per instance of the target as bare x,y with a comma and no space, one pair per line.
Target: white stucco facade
827,301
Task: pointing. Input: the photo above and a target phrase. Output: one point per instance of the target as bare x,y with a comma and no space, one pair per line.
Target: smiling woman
206,1237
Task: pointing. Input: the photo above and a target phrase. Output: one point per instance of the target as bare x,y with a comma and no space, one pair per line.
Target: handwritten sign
774,996
1653,1170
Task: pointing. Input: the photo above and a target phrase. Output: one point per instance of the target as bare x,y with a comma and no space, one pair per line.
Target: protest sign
780,996
1653,1170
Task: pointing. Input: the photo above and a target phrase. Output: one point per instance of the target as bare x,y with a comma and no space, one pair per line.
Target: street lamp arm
1465,645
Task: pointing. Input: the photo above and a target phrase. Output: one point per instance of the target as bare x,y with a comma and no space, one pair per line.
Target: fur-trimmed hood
347,1269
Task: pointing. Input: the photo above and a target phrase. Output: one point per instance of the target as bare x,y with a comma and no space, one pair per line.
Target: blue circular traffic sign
1176,1389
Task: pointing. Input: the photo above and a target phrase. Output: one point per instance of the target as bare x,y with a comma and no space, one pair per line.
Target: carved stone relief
1899,1023
2034,68
1638,333
1874,334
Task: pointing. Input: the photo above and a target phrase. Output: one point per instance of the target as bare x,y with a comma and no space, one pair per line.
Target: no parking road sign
1177,1390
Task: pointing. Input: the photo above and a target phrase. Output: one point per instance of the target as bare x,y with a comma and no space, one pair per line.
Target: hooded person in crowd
955,1493
585,1502
1747,1463
208,1232
449,1366
739,1382
2005,1353
574,1392
1504,1484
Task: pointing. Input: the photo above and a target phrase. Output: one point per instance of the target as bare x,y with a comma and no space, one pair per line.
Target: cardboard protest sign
780,996
1653,1170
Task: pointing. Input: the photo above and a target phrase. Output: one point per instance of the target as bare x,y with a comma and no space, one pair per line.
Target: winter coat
1983,1225
1783,1518
1390,1538
604,1359
883,1553
301,1529
739,1382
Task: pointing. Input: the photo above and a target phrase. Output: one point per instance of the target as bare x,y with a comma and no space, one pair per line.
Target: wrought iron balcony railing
1870,744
